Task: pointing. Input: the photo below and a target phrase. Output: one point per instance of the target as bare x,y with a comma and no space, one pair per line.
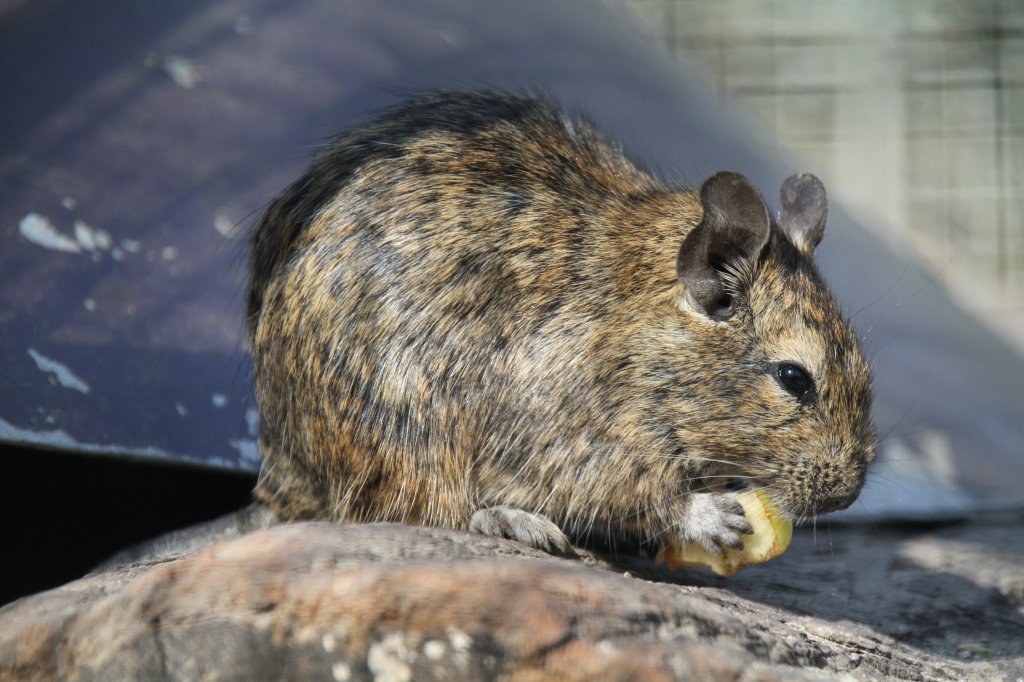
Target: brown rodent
475,313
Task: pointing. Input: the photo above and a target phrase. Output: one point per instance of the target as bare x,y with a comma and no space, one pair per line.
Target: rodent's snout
840,499
825,485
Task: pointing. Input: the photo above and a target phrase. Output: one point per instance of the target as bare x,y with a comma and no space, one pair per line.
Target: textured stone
393,603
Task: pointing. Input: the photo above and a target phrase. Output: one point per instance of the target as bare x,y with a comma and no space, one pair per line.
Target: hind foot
535,530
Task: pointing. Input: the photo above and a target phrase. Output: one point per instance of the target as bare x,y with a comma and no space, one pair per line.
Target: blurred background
912,112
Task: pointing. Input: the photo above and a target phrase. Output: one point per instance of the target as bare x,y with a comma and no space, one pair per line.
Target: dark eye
795,379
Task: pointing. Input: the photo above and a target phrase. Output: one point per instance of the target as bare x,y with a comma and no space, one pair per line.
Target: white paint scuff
102,239
252,421
85,235
184,72
60,439
224,225
39,230
61,372
249,450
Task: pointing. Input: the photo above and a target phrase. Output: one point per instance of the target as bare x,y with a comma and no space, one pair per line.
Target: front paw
714,521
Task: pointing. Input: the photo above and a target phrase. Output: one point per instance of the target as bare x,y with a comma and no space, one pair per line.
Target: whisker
888,291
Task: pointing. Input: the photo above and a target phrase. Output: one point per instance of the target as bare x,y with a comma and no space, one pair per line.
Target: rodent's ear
804,210
735,228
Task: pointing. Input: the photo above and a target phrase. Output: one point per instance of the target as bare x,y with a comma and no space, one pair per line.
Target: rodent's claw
535,530
714,521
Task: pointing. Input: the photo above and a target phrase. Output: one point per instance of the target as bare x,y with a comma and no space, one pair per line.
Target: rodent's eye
795,379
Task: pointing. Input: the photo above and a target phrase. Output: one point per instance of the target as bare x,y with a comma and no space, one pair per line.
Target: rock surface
389,603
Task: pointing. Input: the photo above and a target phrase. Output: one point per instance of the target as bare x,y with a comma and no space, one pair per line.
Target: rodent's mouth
738,484
734,485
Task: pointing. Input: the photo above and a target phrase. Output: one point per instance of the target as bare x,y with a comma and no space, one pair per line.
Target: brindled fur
473,302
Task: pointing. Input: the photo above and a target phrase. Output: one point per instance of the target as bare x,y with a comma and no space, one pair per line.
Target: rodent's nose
832,489
835,502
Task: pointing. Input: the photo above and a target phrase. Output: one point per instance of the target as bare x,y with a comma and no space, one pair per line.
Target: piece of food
772,533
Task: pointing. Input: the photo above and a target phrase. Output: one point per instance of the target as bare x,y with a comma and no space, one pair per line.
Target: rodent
475,313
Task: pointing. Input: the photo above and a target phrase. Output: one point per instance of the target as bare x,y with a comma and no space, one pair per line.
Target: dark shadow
868,574
64,513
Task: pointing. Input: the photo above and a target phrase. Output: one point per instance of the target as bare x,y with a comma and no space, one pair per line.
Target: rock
391,603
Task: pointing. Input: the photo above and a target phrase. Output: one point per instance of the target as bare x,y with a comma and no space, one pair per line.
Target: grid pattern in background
912,110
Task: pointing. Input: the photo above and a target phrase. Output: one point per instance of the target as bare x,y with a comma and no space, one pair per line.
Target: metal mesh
911,111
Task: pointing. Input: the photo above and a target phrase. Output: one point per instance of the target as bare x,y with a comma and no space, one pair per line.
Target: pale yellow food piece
771,537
